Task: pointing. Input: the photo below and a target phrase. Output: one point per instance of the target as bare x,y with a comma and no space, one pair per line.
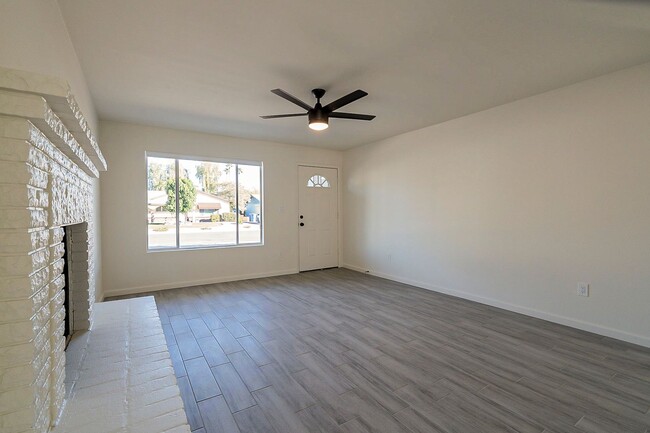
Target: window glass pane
161,218
318,181
207,214
250,204
219,203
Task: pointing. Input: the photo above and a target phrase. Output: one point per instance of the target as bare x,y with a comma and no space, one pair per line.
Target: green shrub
215,217
228,217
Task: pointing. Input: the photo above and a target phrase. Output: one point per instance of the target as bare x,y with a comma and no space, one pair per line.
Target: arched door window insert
318,181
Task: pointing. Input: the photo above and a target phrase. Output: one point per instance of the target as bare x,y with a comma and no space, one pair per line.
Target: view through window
218,203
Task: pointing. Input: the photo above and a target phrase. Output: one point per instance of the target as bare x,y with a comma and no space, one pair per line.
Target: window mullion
237,203
178,224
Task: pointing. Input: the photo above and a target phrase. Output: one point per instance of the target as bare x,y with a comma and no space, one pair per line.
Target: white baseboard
179,284
562,320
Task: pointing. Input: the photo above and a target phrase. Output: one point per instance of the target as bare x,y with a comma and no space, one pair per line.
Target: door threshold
318,269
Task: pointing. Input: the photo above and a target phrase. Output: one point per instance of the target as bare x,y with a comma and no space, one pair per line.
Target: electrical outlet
583,289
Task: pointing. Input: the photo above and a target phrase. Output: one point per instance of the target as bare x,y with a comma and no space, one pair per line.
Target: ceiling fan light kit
318,115
319,124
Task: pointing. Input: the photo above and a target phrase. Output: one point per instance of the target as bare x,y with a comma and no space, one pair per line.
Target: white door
318,217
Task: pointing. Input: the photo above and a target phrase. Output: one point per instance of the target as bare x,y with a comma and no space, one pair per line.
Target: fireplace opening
67,289
75,272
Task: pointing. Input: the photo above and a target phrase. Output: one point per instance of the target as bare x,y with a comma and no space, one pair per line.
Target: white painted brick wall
45,183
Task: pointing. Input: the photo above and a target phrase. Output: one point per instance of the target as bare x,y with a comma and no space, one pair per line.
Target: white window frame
176,157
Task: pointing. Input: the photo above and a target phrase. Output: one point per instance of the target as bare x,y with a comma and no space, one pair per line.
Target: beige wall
34,37
128,267
511,206
515,205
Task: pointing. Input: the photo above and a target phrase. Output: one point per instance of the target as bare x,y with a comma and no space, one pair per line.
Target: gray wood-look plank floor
340,351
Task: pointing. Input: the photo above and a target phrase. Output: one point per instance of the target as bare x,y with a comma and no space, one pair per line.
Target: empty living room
291,216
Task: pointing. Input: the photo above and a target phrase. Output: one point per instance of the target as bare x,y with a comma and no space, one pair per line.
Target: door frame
338,203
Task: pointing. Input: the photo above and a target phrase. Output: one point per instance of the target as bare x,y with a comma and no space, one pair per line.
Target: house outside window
199,203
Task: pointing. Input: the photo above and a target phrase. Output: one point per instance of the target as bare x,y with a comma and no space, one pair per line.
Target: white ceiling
209,65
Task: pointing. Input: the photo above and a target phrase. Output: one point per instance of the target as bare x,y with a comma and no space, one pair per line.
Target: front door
318,217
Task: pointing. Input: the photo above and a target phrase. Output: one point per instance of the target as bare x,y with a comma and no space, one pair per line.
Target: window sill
207,247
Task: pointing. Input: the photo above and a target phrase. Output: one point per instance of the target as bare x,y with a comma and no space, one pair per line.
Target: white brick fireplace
48,159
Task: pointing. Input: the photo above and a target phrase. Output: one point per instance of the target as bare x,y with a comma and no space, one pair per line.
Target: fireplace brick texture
45,183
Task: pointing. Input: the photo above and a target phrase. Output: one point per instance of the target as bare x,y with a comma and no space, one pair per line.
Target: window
194,203
318,181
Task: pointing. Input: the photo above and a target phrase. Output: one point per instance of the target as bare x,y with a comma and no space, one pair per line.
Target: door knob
301,217
302,224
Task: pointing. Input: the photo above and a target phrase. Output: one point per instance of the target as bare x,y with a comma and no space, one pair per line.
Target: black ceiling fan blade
357,94
281,93
277,116
352,116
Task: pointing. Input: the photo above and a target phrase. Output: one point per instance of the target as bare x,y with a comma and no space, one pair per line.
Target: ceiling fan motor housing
317,114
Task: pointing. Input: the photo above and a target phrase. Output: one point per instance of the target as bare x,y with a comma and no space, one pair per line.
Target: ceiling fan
318,115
